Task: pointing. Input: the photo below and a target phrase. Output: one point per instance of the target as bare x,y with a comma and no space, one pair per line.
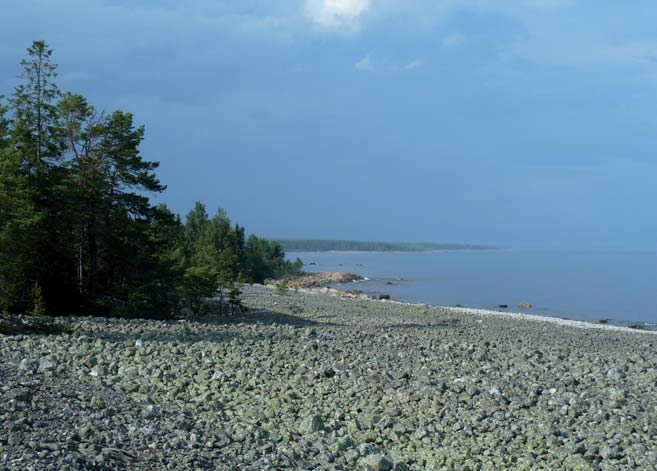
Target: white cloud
337,14
453,40
413,65
365,64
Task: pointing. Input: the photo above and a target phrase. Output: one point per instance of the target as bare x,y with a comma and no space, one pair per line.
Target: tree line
318,245
78,233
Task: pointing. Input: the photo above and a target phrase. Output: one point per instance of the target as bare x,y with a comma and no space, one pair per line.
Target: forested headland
78,231
318,245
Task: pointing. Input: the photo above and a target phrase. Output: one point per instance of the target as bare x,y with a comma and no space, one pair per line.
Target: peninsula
327,245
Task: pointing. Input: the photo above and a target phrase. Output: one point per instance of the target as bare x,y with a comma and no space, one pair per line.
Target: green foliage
38,303
37,132
40,226
235,299
266,259
198,282
228,291
78,233
19,223
281,287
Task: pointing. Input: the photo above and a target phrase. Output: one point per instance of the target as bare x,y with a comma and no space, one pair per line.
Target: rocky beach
319,279
316,380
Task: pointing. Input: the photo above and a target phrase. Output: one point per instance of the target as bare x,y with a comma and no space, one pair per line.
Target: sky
519,123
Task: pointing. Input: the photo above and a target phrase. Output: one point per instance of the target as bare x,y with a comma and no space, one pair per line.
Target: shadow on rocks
265,317
170,335
207,328
433,325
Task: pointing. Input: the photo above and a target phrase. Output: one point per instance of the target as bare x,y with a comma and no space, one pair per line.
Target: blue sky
522,123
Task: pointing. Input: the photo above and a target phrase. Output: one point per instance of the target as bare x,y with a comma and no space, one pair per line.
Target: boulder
310,280
637,326
376,463
311,424
47,365
29,365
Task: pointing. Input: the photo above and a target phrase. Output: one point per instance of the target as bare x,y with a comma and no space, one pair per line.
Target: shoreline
549,319
451,280
391,251
476,311
308,378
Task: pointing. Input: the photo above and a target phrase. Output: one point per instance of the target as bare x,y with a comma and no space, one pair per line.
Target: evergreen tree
107,168
200,277
266,259
4,125
18,223
37,139
34,103
78,233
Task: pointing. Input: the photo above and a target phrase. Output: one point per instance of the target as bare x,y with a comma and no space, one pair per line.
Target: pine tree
106,165
18,223
4,125
78,233
34,104
36,138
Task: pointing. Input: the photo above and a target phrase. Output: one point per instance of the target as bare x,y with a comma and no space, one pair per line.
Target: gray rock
47,365
151,411
29,365
98,371
86,432
18,394
311,424
376,463
616,374
331,387
368,420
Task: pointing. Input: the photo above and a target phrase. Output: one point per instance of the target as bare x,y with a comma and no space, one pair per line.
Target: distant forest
312,245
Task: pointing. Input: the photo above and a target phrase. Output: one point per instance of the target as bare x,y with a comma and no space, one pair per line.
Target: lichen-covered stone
315,381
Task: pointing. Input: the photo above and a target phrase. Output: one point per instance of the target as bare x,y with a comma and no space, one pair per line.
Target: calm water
619,286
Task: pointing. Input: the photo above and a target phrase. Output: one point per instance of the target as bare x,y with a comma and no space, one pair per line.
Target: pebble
311,424
376,463
321,382
86,432
151,410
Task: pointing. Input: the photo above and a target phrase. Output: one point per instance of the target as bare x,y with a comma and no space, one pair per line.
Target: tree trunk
92,240
39,106
81,265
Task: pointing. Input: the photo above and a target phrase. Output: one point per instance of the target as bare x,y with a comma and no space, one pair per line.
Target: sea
618,288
